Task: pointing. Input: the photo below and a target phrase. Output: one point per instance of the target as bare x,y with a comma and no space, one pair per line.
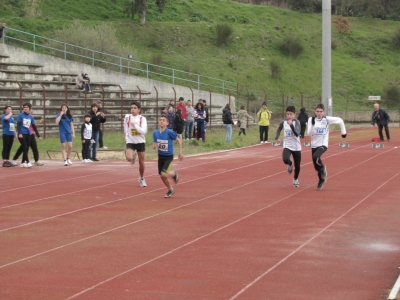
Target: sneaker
23,165
89,160
6,164
134,158
262,142
296,183
38,163
28,165
142,182
290,168
321,184
324,172
266,142
65,163
69,161
14,163
187,139
169,194
103,148
176,177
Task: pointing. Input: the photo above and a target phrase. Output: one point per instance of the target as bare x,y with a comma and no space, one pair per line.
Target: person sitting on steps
82,81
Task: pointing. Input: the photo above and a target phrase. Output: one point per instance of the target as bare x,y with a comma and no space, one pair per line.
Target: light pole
326,57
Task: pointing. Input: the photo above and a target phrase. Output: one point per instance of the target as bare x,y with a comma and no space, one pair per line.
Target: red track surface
235,229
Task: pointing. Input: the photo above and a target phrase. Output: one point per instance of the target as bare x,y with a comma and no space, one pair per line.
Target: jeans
189,129
93,146
228,128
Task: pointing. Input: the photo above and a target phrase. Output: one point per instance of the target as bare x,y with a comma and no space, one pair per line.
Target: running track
235,229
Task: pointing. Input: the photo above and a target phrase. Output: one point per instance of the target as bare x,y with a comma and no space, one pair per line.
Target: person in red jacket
182,106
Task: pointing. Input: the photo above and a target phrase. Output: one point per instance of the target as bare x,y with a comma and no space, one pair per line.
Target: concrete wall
53,64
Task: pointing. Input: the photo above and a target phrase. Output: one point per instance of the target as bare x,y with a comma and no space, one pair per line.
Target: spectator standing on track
264,116
66,131
32,145
87,139
163,141
291,143
135,129
9,134
96,118
101,143
228,122
382,119
303,118
200,117
189,120
179,122
242,117
318,130
24,122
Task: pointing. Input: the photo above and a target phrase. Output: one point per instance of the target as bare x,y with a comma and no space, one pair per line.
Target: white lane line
309,240
395,290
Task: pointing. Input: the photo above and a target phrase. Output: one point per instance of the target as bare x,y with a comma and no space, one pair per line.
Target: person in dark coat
382,119
228,122
303,118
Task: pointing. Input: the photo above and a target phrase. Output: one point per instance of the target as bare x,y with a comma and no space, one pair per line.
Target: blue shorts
65,137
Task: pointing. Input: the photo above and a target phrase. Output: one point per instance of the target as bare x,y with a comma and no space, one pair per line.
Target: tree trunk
143,18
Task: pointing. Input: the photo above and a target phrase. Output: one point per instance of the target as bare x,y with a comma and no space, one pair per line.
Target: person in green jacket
264,115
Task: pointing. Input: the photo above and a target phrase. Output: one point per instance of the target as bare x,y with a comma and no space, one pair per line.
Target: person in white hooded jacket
318,130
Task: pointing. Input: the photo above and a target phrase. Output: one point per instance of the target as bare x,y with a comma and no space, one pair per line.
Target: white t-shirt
320,131
135,128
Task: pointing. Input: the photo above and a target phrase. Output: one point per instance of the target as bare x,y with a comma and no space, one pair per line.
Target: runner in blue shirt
66,132
163,141
9,134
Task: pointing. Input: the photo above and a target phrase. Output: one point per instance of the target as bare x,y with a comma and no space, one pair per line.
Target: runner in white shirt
291,143
318,129
135,128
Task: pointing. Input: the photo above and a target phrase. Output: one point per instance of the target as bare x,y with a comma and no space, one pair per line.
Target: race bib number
134,132
289,133
26,123
162,145
12,127
320,131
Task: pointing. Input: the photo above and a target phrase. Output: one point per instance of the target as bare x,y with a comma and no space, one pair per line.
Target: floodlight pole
326,57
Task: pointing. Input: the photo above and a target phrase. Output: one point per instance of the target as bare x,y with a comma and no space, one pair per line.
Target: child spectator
66,132
96,118
291,143
81,82
87,139
163,141
9,133
135,129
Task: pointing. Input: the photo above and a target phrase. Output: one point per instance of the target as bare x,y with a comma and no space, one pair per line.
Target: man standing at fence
381,118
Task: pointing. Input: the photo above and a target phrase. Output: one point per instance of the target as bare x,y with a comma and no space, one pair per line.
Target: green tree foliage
306,6
139,7
383,9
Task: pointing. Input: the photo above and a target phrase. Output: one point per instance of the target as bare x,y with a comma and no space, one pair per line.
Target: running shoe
65,163
296,183
14,163
134,157
142,182
23,165
69,161
28,165
262,142
169,194
321,184
38,163
266,142
176,177
290,168
324,172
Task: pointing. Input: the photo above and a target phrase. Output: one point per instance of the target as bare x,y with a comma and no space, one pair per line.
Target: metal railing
117,63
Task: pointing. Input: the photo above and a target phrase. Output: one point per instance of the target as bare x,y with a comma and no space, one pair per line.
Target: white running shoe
266,142
65,163
69,161
142,182
262,142
14,163
23,165
38,163
89,160
28,165
296,183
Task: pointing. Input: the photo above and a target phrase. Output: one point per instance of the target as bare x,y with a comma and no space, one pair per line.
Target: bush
275,69
224,32
392,94
292,47
396,40
157,59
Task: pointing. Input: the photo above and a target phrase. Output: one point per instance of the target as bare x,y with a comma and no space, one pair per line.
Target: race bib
134,132
289,133
320,131
162,145
26,123
12,127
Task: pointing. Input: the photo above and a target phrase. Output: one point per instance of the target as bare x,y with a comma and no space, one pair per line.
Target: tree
139,7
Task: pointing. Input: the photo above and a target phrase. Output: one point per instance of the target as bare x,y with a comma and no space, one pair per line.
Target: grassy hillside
364,62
